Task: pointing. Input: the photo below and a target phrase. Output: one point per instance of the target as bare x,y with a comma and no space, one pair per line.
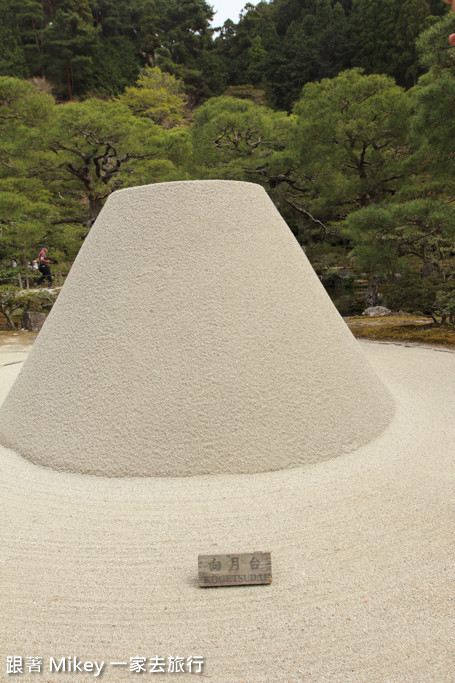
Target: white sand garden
212,400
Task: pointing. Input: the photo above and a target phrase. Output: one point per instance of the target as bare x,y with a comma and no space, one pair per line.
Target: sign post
236,569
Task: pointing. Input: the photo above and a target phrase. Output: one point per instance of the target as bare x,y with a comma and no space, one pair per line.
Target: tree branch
70,219
325,228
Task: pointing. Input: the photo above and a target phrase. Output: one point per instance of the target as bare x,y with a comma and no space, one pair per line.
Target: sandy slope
217,352
14,349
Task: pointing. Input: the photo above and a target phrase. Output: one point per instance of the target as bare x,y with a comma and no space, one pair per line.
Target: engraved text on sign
235,569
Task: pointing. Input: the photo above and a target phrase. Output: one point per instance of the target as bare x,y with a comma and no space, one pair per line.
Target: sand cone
192,336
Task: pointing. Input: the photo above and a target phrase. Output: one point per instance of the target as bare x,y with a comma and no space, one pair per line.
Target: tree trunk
9,320
372,294
95,209
68,79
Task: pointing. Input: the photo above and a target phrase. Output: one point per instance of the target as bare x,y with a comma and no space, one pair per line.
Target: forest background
342,110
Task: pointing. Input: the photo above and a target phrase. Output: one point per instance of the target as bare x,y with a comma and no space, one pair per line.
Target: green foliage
28,19
98,147
12,301
360,167
148,33
24,199
115,65
246,47
71,42
374,33
317,45
23,110
183,42
307,41
349,141
12,57
184,28
117,17
22,106
341,150
444,305
37,301
433,124
235,138
60,163
257,57
413,18
432,129
25,211
158,96
278,45
433,46
68,43
389,236
246,92
414,294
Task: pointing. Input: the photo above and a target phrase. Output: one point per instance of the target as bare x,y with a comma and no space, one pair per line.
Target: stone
33,321
375,311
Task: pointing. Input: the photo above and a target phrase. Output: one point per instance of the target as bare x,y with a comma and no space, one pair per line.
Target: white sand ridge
192,337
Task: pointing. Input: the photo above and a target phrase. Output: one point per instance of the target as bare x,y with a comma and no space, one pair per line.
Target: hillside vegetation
342,110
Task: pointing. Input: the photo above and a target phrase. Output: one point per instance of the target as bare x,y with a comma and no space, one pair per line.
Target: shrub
12,301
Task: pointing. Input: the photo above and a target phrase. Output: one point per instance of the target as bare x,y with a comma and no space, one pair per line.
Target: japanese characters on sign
236,569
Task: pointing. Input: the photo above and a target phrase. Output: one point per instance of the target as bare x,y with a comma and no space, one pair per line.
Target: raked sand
362,548
225,407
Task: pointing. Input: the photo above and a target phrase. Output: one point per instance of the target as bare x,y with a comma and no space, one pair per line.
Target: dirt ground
406,329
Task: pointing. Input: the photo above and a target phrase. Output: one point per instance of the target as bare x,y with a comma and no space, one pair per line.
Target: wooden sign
244,569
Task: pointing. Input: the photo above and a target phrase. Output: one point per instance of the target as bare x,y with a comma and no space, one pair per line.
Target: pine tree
68,43
158,96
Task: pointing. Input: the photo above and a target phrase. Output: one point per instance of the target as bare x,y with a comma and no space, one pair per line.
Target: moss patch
405,329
